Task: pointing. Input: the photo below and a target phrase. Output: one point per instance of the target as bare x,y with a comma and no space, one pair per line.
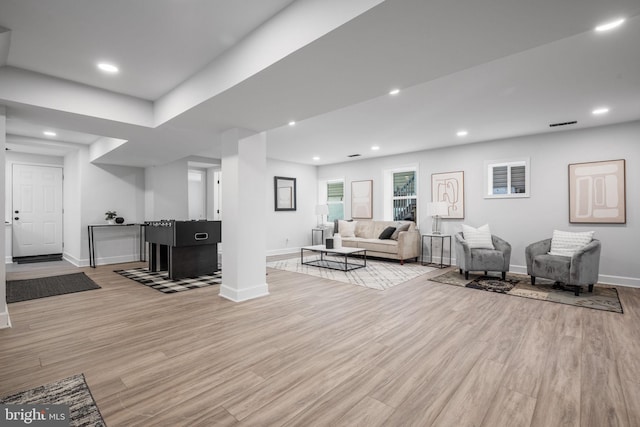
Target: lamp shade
322,209
437,209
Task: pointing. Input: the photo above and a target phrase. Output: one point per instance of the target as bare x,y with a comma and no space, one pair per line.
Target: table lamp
437,210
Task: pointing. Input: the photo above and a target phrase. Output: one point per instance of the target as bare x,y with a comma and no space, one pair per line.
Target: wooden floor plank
318,352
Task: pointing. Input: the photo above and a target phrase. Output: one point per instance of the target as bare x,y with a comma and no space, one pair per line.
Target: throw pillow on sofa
387,233
402,227
477,238
347,228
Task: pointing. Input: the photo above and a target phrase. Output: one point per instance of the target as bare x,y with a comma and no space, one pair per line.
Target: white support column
4,311
244,168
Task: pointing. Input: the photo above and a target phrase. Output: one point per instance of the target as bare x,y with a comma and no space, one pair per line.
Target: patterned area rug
378,275
28,289
160,281
602,298
73,392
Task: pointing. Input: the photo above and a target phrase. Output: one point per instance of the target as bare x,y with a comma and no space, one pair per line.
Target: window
405,197
332,193
507,178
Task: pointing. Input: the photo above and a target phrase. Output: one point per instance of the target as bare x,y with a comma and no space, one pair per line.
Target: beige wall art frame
449,187
597,193
362,199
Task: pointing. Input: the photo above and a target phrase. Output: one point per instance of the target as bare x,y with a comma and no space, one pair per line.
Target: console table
92,242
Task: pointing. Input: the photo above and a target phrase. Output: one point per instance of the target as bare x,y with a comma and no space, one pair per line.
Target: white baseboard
239,295
5,320
284,251
102,261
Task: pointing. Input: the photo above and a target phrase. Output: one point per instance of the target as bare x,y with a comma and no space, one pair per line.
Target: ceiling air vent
354,155
562,124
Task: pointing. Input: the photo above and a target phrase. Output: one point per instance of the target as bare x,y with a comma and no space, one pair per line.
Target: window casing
507,178
405,195
335,199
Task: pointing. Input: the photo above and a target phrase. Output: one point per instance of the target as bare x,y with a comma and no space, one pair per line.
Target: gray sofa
580,269
406,247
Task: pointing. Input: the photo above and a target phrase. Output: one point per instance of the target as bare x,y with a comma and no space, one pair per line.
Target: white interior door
37,210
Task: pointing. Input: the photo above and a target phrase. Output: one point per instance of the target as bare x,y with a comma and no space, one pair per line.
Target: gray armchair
483,259
577,270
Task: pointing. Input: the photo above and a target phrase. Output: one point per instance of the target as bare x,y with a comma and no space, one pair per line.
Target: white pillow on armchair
478,238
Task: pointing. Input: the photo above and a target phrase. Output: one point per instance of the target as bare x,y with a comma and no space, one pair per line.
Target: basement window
507,178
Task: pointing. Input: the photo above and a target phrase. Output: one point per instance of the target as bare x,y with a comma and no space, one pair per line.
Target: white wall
4,312
166,194
523,221
289,230
91,190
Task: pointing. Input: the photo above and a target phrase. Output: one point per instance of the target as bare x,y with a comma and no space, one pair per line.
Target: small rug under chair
28,289
378,275
72,392
602,298
160,281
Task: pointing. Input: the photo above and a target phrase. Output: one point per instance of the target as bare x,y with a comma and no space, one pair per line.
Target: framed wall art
448,187
362,199
284,190
597,193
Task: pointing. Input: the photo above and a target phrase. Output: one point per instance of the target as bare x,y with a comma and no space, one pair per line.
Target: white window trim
323,195
388,190
488,177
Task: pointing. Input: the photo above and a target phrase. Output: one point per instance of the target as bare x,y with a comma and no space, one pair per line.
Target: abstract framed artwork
284,193
362,199
597,193
449,187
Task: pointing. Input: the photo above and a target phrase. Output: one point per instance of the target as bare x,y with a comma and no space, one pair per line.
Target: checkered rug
160,280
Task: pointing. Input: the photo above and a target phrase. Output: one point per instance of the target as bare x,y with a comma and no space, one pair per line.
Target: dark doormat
72,392
28,289
37,258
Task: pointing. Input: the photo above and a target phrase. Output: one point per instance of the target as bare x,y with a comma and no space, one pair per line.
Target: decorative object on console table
119,220
597,192
284,193
448,187
437,210
362,199
110,217
321,210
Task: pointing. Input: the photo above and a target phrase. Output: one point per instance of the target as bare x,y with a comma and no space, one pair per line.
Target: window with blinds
335,200
507,178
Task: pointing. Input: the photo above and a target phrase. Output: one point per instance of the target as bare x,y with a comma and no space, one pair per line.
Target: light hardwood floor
316,352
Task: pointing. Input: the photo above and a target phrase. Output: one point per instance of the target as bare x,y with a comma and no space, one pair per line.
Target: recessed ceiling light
108,68
316,158
375,148
49,133
598,111
462,133
610,25
394,91
292,123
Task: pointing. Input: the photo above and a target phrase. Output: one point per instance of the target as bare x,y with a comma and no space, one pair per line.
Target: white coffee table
344,264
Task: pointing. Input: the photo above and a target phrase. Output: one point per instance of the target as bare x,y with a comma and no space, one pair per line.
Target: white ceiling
498,68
